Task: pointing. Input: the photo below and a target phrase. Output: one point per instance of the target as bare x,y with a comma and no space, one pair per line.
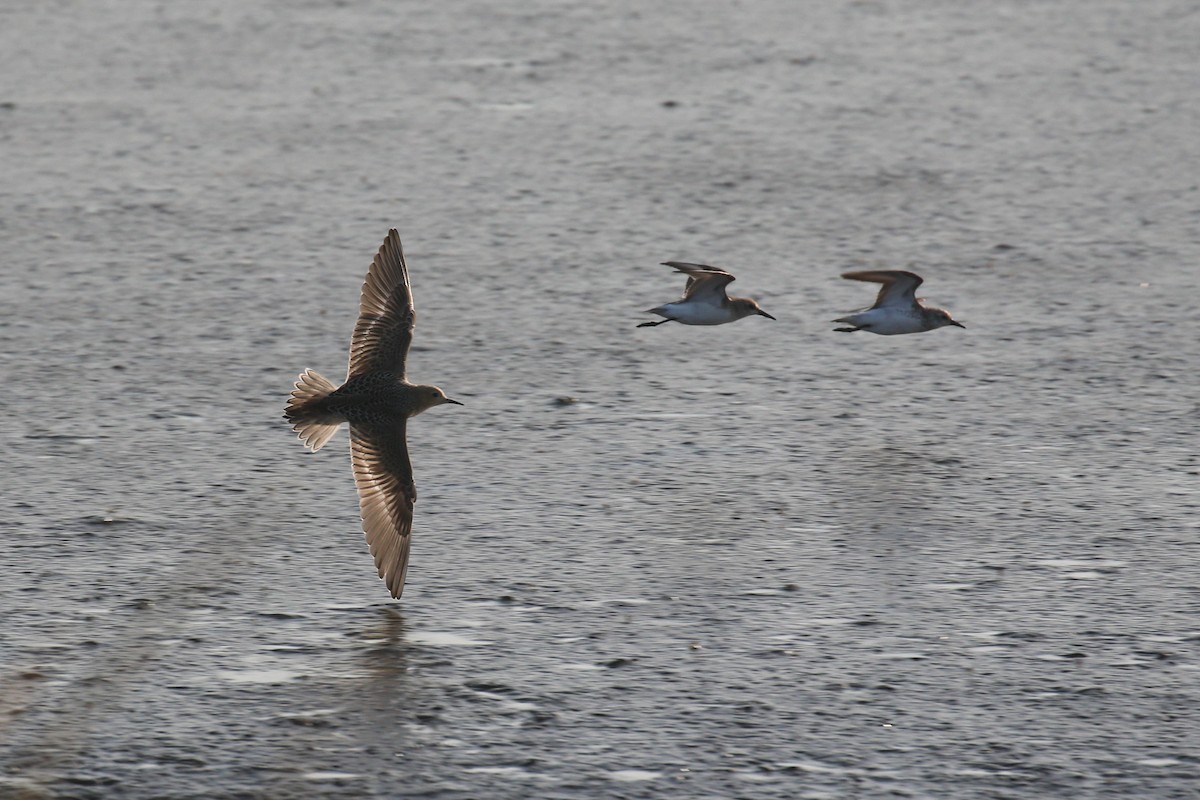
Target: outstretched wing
899,287
702,279
386,495
386,316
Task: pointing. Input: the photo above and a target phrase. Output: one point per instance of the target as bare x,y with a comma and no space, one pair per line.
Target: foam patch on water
258,676
347,606
810,529
512,705
614,601
1075,563
989,649
443,639
827,621
512,773
755,777
821,769
974,772
901,656
506,106
312,714
634,775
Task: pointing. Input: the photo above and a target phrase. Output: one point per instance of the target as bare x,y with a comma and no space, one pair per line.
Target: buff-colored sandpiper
377,401
897,309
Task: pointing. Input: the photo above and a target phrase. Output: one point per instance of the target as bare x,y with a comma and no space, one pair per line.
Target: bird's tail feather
313,423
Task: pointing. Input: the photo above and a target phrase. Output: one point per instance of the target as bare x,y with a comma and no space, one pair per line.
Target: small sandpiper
704,300
377,401
897,309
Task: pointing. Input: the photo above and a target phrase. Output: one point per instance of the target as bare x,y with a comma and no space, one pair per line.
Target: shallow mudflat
762,560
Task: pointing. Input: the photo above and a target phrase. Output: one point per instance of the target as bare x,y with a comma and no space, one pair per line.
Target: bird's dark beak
449,400
765,314
959,324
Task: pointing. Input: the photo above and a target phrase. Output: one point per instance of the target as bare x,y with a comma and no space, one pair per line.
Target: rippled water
761,560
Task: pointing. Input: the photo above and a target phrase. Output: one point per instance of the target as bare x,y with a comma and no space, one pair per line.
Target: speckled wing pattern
899,287
384,328
702,279
386,496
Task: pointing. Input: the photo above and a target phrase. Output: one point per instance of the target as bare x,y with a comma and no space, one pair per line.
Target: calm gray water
763,560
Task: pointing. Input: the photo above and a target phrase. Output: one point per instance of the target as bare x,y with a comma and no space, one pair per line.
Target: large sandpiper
897,309
377,401
704,301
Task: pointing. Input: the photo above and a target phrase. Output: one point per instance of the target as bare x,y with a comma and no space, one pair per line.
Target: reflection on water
384,647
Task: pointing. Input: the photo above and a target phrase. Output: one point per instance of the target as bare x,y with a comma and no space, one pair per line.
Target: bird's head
429,396
941,319
746,307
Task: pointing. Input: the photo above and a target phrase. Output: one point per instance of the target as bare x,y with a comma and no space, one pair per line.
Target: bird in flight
897,309
704,301
376,400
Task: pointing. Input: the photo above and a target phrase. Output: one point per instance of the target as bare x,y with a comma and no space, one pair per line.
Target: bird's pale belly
886,322
693,314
